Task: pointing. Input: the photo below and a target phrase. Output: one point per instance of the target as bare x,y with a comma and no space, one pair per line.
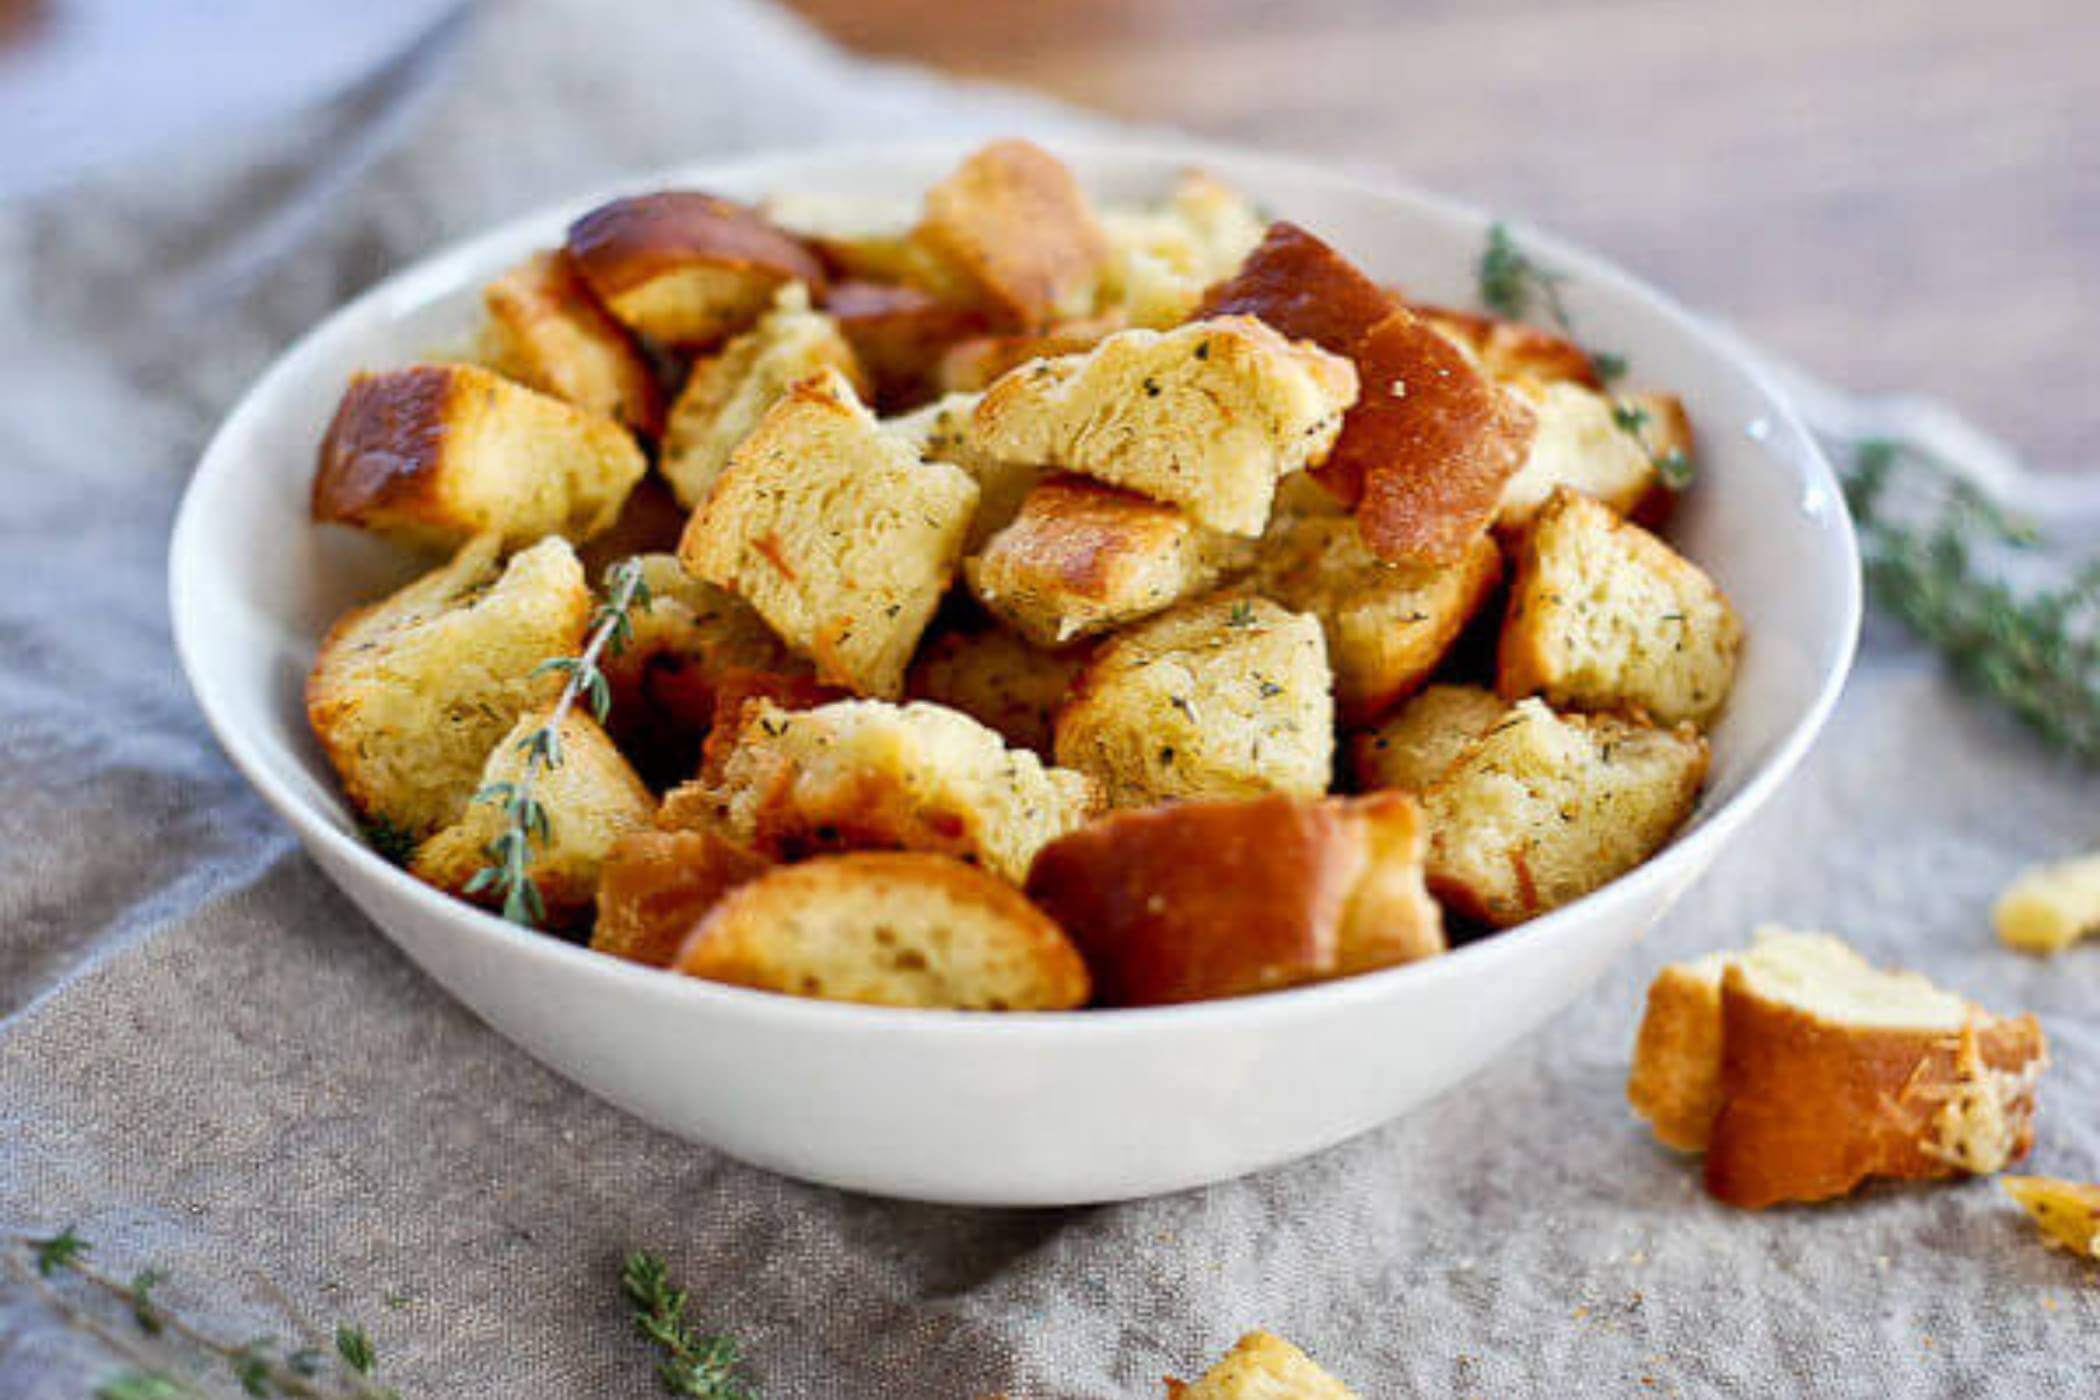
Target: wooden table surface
1898,194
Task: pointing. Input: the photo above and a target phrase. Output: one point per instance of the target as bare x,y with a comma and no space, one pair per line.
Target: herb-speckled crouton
1013,219
940,432
1415,747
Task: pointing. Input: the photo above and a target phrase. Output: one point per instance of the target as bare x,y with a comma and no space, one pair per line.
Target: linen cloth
209,1061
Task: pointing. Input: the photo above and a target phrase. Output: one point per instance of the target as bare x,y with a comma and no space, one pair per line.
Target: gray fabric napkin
210,1062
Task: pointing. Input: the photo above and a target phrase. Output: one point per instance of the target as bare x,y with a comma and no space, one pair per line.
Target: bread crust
1197,900
1514,350
1810,1109
548,331
625,248
381,454
1675,1083
1303,288
657,886
1014,220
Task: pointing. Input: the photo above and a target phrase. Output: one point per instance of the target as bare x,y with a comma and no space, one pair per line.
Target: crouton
656,886
836,532
889,928
974,364
1419,744
868,775
665,681
900,335
998,679
1388,626
729,392
688,270
2050,907
2066,1212
1161,260
1304,289
1014,220
1195,900
1514,352
1262,1367
874,240
739,694
547,331
591,798
940,432
1082,558
1582,443
1803,1070
1208,417
1428,448
1544,808
1223,697
1605,616
407,696
436,454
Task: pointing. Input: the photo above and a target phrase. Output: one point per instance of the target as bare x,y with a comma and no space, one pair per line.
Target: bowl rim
1678,863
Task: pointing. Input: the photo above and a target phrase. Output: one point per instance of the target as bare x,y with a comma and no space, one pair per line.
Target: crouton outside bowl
985,1108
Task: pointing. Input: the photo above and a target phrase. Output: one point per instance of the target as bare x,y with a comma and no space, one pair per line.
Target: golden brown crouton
900,334
1417,745
656,887
1081,558
1225,697
591,798
729,392
1013,218
1581,443
940,432
1543,809
547,331
2050,907
1161,260
408,695
1194,900
1263,1367
836,532
1208,417
1605,616
2066,1212
436,454
867,775
889,928
1304,289
1514,352
973,364
1388,626
1802,1070
997,678
688,270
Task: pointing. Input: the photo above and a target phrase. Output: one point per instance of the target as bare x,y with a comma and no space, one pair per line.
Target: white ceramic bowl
1017,1110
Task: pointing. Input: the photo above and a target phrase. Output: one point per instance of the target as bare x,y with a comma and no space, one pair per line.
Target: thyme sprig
2035,652
159,1357
525,821
693,1364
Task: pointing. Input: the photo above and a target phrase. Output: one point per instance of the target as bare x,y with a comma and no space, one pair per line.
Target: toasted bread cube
1817,1070
1014,220
436,454
1544,808
685,269
998,678
1304,289
974,364
1419,744
685,642
656,887
547,331
900,334
1162,260
727,394
1605,616
1224,697
2050,907
2066,1212
1388,626
408,695
875,241
865,774
1514,352
889,928
836,532
1208,417
940,432
1580,444
591,798
1195,900
1263,1367
1082,558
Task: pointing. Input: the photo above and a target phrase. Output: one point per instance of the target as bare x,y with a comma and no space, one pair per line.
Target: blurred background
1899,194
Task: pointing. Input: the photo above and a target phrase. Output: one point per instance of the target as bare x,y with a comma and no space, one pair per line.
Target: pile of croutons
1046,606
